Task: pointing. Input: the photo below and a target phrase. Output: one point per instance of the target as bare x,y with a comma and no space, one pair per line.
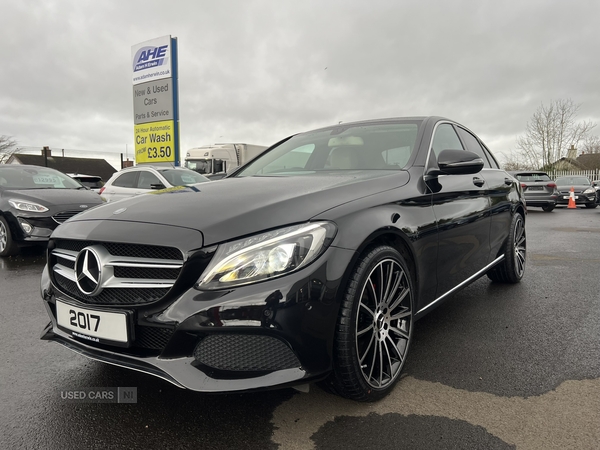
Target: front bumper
42,227
580,199
270,334
540,199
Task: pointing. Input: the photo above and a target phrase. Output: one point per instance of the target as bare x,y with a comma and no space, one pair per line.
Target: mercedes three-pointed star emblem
88,271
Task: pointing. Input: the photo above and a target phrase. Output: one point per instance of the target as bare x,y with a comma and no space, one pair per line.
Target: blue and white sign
151,60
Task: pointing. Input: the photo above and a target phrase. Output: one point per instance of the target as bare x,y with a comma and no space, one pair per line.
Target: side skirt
461,285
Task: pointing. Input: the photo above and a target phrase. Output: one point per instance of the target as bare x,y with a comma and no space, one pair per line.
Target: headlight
266,255
590,191
24,205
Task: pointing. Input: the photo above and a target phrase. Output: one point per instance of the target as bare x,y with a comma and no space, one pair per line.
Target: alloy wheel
384,323
3,237
520,250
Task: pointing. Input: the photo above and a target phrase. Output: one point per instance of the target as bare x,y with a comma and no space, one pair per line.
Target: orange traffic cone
572,199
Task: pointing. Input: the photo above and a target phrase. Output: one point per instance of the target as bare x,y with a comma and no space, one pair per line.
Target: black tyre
8,247
374,329
548,208
512,268
591,205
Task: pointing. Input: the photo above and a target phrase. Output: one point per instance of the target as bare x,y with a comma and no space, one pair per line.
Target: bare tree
591,144
551,131
8,146
518,162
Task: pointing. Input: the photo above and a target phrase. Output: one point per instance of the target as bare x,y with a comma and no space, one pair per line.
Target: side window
147,179
491,158
126,180
445,139
473,145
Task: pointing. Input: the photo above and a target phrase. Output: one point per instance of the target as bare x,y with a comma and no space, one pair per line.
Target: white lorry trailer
215,160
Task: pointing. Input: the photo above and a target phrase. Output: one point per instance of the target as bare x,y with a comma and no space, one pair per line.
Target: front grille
245,352
116,296
64,215
118,249
128,274
154,338
135,272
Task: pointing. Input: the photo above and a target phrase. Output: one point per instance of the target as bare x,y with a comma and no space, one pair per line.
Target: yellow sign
155,142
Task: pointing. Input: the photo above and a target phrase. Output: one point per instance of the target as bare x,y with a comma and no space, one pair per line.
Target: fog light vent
245,352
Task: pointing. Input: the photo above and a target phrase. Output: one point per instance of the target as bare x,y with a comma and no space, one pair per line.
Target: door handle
508,181
478,181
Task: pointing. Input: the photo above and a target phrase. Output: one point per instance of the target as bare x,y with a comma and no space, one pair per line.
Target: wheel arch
383,236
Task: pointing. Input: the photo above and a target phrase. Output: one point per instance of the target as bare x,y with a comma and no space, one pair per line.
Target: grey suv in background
538,188
143,179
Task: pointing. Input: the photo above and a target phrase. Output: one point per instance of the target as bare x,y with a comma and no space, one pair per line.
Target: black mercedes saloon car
34,200
310,263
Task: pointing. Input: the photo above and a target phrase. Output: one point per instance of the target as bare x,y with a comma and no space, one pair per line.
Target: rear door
461,204
499,186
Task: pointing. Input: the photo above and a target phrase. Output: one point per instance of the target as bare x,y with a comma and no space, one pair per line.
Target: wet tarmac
494,367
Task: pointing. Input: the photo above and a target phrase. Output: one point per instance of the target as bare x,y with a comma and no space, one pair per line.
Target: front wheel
591,205
512,268
8,246
374,328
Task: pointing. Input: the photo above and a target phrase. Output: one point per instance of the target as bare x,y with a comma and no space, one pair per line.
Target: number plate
94,324
566,197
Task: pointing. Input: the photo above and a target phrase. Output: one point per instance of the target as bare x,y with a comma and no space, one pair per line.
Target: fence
591,174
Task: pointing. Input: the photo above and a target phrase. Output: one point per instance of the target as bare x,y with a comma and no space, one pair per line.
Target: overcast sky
258,71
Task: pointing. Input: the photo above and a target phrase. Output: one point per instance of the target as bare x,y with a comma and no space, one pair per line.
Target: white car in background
143,179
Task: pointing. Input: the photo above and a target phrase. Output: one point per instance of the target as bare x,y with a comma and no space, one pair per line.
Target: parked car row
541,191
34,200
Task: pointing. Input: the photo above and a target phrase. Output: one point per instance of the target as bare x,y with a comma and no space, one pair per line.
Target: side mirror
457,162
157,186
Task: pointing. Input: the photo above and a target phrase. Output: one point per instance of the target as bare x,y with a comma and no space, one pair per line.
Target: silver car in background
538,188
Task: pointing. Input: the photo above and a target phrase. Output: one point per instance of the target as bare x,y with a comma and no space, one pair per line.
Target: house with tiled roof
586,164
66,164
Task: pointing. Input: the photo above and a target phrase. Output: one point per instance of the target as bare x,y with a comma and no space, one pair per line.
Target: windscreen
377,146
182,177
532,177
29,177
199,165
572,181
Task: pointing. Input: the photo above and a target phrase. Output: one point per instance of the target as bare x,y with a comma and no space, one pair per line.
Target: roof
590,160
65,164
567,161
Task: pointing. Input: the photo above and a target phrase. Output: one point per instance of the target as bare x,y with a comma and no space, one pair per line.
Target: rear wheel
548,208
8,246
374,328
512,268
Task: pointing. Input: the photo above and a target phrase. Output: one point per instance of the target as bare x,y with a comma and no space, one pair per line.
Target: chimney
572,152
46,152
